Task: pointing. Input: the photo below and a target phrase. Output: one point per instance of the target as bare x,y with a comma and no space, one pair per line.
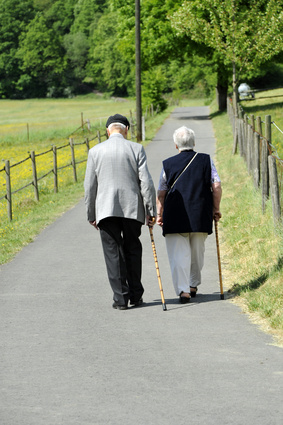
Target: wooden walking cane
219,263
157,268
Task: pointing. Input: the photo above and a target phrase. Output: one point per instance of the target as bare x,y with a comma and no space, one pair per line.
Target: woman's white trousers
186,256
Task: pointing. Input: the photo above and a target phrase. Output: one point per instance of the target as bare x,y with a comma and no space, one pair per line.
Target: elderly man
188,199
119,192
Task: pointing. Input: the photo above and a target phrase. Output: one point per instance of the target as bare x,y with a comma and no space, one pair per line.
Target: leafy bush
154,84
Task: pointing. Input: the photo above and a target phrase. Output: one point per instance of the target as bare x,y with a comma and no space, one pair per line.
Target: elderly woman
188,199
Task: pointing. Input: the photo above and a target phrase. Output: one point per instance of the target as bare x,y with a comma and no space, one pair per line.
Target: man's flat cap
117,118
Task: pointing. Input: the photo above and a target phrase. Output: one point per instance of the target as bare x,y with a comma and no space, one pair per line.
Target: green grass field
51,120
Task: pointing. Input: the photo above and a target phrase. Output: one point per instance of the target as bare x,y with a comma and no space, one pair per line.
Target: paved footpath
68,358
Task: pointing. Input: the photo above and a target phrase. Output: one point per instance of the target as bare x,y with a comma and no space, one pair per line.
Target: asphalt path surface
67,357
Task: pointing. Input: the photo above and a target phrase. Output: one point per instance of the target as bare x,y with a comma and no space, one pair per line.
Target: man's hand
150,221
93,223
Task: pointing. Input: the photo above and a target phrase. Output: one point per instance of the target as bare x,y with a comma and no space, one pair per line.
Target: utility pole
138,73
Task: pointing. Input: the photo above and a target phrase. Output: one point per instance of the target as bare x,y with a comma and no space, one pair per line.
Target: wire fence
261,157
58,161
68,161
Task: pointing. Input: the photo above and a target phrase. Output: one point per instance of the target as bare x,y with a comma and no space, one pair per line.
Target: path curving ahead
68,358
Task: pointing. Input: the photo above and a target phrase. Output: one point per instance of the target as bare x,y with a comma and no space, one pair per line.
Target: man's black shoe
119,307
137,303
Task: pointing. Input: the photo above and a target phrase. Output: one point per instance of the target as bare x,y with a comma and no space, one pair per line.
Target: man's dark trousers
123,257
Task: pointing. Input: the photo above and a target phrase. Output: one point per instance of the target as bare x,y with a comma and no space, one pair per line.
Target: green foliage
193,73
86,14
66,47
14,16
40,50
41,53
154,82
246,33
77,46
107,67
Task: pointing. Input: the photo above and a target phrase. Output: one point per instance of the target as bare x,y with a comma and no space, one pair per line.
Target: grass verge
251,247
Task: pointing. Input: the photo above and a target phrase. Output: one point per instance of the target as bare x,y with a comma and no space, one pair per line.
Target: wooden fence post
259,125
264,174
34,173
249,148
236,135
143,128
8,190
259,130
252,130
253,121
245,132
99,137
274,189
256,160
73,159
88,125
264,162
55,169
87,144
241,134
268,128
131,126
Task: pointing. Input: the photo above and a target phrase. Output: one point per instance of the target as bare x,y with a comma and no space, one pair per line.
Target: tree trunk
221,96
222,87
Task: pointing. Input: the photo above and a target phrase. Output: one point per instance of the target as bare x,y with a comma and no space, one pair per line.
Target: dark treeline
55,48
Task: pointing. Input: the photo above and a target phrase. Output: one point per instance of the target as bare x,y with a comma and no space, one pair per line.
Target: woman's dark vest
189,205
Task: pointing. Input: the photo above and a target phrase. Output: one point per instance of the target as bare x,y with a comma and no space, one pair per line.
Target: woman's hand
159,220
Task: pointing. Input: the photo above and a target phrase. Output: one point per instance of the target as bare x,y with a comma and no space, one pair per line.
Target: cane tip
164,307
222,296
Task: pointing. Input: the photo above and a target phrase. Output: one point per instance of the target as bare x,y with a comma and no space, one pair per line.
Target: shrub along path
68,358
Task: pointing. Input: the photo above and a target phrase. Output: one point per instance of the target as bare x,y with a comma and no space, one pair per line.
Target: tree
242,34
160,48
41,54
14,17
86,14
77,46
108,68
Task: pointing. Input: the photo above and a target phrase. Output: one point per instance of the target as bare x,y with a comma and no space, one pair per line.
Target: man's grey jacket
117,181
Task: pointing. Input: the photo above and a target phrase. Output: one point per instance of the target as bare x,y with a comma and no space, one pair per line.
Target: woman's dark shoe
119,307
193,291
184,299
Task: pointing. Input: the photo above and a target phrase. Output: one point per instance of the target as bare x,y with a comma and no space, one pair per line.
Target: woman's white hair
184,138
